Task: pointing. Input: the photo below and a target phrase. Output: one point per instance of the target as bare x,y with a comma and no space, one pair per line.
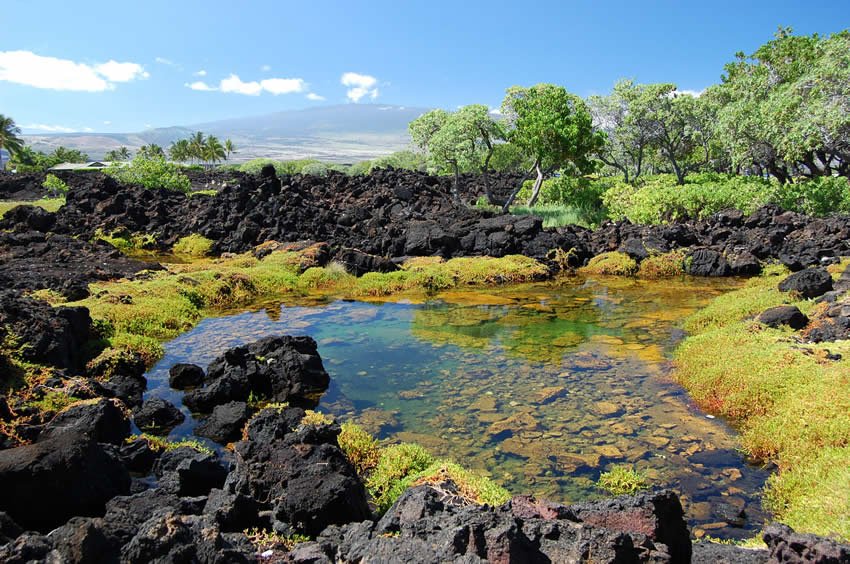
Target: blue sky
126,66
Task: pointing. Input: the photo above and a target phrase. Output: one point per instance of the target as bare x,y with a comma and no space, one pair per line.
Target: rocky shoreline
286,473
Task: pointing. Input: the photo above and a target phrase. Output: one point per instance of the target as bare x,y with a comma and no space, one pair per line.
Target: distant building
88,165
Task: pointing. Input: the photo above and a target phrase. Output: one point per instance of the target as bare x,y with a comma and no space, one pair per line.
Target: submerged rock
280,369
183,376
158,416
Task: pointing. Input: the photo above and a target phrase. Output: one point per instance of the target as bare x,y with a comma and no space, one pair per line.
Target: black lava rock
183,376
783,315
809,283
158,416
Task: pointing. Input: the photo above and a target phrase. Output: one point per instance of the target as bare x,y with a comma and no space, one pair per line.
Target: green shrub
621,480
254,166
819,196
315,169
659,199
193,245
360,447
56,187
151,173
397,462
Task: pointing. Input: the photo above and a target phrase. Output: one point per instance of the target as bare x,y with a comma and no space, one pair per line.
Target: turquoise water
543,387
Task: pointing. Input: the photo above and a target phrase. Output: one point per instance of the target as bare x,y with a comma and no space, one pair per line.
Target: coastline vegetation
788,399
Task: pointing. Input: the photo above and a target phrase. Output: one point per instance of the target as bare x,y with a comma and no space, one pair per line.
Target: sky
129,66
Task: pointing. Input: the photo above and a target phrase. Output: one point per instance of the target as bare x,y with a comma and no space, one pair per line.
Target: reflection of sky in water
543,387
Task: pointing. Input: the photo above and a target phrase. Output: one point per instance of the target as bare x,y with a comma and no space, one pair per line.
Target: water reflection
542,386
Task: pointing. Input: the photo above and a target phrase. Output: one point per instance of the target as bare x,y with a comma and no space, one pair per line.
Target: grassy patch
621,480
558,215
613,264
388,471
264,540
128,243
50,204
193,245
791,403
160,444
665,265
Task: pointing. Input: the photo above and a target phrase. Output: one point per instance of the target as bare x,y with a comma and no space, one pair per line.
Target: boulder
783,315
706,262
809,283
785,545
158,416
183,376
66,475
185,471
281,369
225,423
103,420
359,263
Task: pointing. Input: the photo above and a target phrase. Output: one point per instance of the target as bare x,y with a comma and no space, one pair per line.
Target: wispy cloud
49,128
694,93
265,68
201,72
235,85
360,86
315,97
25,67
166,62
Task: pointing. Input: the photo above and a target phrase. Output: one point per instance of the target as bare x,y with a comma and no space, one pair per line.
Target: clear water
543,387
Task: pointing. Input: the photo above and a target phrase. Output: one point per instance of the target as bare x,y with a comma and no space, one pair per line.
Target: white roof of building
77,166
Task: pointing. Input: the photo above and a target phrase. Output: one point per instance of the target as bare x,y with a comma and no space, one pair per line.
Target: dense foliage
151,173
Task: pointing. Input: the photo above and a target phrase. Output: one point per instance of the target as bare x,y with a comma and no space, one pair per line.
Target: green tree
120,154
229,148
197,142
151,151
64,155
553,128
213,150
627,139
9,137
481,132
785,107
179,150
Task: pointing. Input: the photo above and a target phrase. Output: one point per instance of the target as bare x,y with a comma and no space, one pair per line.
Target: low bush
393,473
360,447
820,196
152,173
315,169
56,187
664,265
160,444
49,204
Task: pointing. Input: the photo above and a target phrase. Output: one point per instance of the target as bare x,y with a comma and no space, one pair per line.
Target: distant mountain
344,133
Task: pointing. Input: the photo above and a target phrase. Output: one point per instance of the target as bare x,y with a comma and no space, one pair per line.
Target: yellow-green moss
665,265
128,243
160,444
791,403
360,447
193,245
612,264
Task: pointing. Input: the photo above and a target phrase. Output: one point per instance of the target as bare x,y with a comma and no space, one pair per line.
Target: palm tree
229,148
196,145
213,150
151,151
179,150
9,139
124,153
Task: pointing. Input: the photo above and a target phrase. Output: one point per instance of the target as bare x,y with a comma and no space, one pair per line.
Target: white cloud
49,128
315,97
88,129
359,86
496,111
234,84
107,122
283,85
201,72
265,68
694,93
25,67
121,72
200,85
164,61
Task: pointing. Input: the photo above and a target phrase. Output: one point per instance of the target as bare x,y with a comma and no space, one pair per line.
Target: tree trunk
507,206
680,174
535,191
485,172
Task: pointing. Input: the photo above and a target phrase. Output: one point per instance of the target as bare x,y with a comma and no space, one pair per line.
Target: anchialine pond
542,386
